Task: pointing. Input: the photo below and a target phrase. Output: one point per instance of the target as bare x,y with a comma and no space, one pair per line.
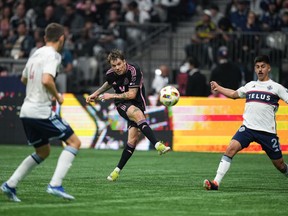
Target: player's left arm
98,93
130,95
49,84
283,93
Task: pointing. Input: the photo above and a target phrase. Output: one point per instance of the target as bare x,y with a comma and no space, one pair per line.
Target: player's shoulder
132,67
272,82
49,53
251,84
109,72
276,85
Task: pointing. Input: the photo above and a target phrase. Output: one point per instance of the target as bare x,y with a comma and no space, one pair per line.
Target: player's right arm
105,87
230,93
48,82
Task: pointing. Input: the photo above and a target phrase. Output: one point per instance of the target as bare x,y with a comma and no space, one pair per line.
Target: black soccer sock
126,154
147,131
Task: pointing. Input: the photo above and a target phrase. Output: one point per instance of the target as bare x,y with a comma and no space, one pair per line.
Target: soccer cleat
59,191
210,185
10,192
113,175
161,148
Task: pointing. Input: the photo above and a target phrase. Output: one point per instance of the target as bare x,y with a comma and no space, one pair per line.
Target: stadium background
195,124
192,125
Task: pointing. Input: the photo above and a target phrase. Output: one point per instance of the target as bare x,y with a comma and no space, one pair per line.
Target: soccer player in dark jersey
259,123
127,81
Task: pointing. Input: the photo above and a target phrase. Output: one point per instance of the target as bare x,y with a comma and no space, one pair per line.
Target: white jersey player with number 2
259,123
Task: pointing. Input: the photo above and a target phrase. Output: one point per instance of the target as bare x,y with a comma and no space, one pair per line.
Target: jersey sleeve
243,90
52,64
283,93
109,76
136,77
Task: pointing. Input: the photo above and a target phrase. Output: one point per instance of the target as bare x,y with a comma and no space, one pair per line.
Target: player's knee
43,154
133,140
233,148
76,144
73,141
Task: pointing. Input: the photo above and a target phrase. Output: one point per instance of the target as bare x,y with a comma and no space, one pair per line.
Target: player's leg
27,165
133,137
240,140
64,163
136,115
270,144
57,128
224,165
42,150
281,166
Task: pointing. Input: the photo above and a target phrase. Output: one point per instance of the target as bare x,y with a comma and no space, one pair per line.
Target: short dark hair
262,58
115,54
53,32
193,61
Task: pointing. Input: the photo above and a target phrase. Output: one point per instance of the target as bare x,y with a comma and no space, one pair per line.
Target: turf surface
149,185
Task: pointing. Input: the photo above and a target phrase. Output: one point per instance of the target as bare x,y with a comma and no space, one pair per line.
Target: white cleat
59,191
9,192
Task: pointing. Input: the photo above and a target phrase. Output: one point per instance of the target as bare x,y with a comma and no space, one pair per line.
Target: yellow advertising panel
208,124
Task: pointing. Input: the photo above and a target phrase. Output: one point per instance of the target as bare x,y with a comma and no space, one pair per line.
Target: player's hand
91,98
105,96
214,85
60,99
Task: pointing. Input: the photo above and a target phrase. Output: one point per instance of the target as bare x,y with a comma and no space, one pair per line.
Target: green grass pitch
149,185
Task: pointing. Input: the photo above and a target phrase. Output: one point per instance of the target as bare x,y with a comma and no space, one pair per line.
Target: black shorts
268,141
40,131
122,110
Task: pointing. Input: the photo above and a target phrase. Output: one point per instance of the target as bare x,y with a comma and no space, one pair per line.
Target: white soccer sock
64,163
24,169
223,167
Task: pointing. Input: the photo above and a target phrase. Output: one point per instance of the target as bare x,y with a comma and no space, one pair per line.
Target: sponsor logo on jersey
269,87
126,81
262,97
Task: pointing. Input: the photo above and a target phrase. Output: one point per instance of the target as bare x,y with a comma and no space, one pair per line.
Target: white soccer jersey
262,104
38,101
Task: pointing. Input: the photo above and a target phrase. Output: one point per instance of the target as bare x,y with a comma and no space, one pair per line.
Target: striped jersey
38,101
262,104
133,78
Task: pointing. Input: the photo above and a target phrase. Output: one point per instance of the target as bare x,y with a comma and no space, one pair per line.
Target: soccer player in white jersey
259,124
40,123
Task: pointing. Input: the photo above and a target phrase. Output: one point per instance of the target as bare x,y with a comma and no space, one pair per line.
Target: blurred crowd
91,27
95,27
88,22
227,39
249,17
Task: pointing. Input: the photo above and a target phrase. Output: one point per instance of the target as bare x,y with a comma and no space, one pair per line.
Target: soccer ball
169,96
